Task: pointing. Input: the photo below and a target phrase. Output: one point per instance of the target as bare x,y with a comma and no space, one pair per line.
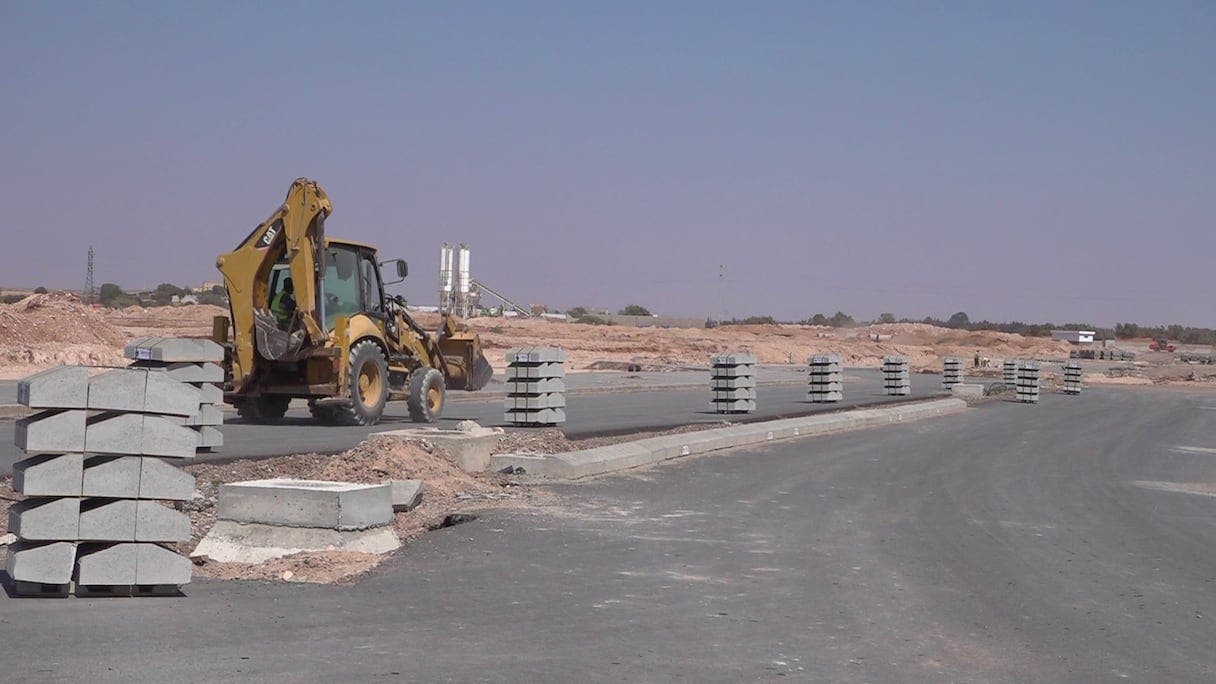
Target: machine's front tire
325,415
367,378
263,410
427,395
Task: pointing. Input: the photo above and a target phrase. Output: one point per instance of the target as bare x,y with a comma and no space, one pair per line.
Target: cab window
373,295
341,284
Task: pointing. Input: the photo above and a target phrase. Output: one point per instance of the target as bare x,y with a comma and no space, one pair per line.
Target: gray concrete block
51,432
898,391
64,387
734,406
106,564
185,372
45,519
155,522
733,359
111,476
114,433
49,475
107,520
135,434
825,397
732,371
121,389
536,371
406,494
41,563
168,396
964,390
174,350
741,393
545,386
208,393
470,447
155,564
161,437
161,480
306,503
536,355
824,360
732,383
539,401
209,437
549,416
831,386
208,414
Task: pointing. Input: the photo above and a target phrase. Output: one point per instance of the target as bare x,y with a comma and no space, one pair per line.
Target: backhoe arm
295,230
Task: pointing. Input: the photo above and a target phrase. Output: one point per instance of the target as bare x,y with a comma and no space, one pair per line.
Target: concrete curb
589,462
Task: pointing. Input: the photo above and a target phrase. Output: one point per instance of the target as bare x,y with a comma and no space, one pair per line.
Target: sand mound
55,317
448,489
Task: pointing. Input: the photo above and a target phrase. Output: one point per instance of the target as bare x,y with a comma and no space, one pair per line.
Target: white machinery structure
455,281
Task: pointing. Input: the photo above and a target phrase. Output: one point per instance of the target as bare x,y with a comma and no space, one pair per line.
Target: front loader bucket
468,368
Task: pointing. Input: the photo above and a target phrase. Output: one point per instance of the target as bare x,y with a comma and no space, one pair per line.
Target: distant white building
1073,336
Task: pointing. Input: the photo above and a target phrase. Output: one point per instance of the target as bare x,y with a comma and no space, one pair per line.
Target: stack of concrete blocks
1009,372
536,386
196,363
733,382
94,479
1028,382
826,380
896,378
1072,378
952,372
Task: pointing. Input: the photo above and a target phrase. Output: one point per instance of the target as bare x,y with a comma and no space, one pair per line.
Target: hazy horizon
1029,161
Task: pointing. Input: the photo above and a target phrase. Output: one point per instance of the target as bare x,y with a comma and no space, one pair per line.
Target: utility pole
721,301
88,280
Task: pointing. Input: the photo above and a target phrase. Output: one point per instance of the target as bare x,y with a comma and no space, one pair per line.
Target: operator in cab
283,306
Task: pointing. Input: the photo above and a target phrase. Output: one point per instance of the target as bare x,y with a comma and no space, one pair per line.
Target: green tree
576,311
959,320
219,290
108,293
634,310
841,319
39,290
886,318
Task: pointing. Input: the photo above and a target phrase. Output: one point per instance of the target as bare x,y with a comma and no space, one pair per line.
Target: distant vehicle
1161,344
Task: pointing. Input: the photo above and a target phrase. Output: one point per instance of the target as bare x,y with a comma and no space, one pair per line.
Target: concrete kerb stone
406,494
471,447
107,520
600,460
41,563
45,519
49,475
174,350
306,503
64,387
56,431
155,522
112,476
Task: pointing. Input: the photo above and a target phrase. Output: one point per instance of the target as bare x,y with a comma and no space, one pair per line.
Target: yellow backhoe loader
309,319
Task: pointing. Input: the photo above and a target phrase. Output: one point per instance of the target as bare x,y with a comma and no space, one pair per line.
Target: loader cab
352,282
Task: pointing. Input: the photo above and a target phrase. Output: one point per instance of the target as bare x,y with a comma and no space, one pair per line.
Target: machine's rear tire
427,396
263,410
367,378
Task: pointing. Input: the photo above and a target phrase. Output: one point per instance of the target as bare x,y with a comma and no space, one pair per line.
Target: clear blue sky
1020,160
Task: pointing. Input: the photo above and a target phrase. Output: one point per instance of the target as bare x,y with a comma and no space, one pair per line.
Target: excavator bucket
468,368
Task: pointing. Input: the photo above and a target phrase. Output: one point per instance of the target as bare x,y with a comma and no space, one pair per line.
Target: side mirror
403,269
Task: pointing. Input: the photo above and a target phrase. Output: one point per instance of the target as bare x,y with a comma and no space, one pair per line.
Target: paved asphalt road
594,412
1009,543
